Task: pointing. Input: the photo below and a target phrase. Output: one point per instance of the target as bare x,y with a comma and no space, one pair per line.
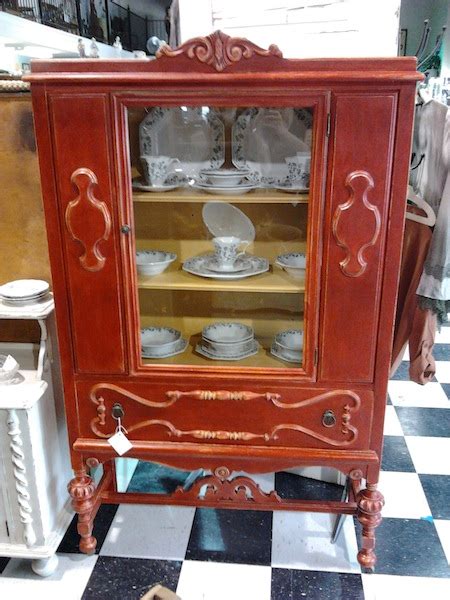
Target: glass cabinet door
221,204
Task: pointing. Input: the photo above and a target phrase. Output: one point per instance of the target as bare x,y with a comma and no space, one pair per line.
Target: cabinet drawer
312,418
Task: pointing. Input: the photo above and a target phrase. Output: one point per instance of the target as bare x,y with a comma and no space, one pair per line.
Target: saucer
241,264
292,189
198,266
225,190
200,349
165,187
179,348
278,353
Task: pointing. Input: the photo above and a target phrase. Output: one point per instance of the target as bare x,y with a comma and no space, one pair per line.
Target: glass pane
220,200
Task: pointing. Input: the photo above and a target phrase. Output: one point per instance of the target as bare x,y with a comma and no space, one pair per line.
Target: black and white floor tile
206,554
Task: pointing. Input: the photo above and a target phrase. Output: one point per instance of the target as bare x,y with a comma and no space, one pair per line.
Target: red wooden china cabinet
224,103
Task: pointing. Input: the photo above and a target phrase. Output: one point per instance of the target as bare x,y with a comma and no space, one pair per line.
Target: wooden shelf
263,359
259,196
273,281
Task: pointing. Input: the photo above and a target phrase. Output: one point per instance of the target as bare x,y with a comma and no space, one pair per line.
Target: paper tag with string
119,440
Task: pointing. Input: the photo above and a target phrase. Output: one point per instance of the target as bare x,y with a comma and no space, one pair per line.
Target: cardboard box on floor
158,592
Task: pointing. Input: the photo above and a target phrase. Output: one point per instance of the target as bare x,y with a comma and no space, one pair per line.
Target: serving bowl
294,263
153,262
159,341
228,333
224,177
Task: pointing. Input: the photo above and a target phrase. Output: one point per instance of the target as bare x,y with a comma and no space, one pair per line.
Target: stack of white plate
227,341
227,182
288,345
24,292
161,342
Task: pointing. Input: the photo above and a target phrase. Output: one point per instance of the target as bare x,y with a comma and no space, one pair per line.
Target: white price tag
120,443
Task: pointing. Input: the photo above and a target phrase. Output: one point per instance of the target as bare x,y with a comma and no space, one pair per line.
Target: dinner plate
24,289
198,266
225,190
200,349
224,219
166,187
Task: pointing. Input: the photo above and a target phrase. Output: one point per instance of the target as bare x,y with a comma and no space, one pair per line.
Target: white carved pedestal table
34,463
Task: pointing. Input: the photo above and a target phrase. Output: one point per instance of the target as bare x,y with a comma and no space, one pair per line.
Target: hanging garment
414,325
434,287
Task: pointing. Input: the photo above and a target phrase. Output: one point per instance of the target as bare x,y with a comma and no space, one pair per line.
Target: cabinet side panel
87,208
358,197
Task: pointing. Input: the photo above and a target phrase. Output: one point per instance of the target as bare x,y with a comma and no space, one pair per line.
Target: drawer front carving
316,418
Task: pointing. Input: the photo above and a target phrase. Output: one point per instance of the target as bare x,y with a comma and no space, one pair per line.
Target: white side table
34,457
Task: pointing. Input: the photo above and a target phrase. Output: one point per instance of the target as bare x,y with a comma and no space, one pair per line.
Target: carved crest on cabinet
358,183
87,208
219,50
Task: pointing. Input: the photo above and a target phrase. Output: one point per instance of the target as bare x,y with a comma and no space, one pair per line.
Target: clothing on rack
433,184
414,325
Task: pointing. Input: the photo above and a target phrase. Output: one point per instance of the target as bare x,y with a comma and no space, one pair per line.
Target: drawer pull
222,395
328,419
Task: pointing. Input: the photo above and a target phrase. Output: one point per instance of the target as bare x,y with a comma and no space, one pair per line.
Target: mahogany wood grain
356,204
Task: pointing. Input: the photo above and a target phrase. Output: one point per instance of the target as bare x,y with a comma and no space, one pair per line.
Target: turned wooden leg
82,489
370,502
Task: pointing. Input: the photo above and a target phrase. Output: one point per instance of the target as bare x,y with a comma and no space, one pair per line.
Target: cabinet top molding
218,50
220,58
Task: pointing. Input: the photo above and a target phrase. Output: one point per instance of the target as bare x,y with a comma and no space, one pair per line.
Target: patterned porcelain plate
216,356
199,266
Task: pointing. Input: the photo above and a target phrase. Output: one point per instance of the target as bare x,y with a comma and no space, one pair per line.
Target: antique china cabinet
224,103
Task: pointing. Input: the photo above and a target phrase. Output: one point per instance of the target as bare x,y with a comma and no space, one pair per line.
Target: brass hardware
328,419
117,411
125,229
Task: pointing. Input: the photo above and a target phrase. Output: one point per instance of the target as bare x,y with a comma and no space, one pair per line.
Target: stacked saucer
161,342
227,341
288,345
227,182
24,292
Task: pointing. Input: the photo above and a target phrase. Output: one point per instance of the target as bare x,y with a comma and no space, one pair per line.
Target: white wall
308,28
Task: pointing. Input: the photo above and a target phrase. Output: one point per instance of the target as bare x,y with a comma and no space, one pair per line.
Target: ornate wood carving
220,488
82,489
358,183
221,395
86,207
218,50
20,475
370,502
346,428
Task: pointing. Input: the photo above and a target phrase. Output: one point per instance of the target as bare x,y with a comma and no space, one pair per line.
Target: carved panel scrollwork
219,50
87,209
349,433
358,183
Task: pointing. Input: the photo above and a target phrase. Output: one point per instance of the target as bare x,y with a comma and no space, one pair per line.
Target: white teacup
227,251
158,168
299,167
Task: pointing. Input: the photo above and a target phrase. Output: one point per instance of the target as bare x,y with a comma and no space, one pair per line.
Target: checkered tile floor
206,554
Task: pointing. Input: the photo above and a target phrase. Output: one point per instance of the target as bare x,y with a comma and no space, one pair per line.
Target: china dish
198,265
204,351
161,342
195,136
23,292
223,219
231,333
288,345
225,190
262,138
240,264
294,263
8,368
291,188
143,187
153,262
224,177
